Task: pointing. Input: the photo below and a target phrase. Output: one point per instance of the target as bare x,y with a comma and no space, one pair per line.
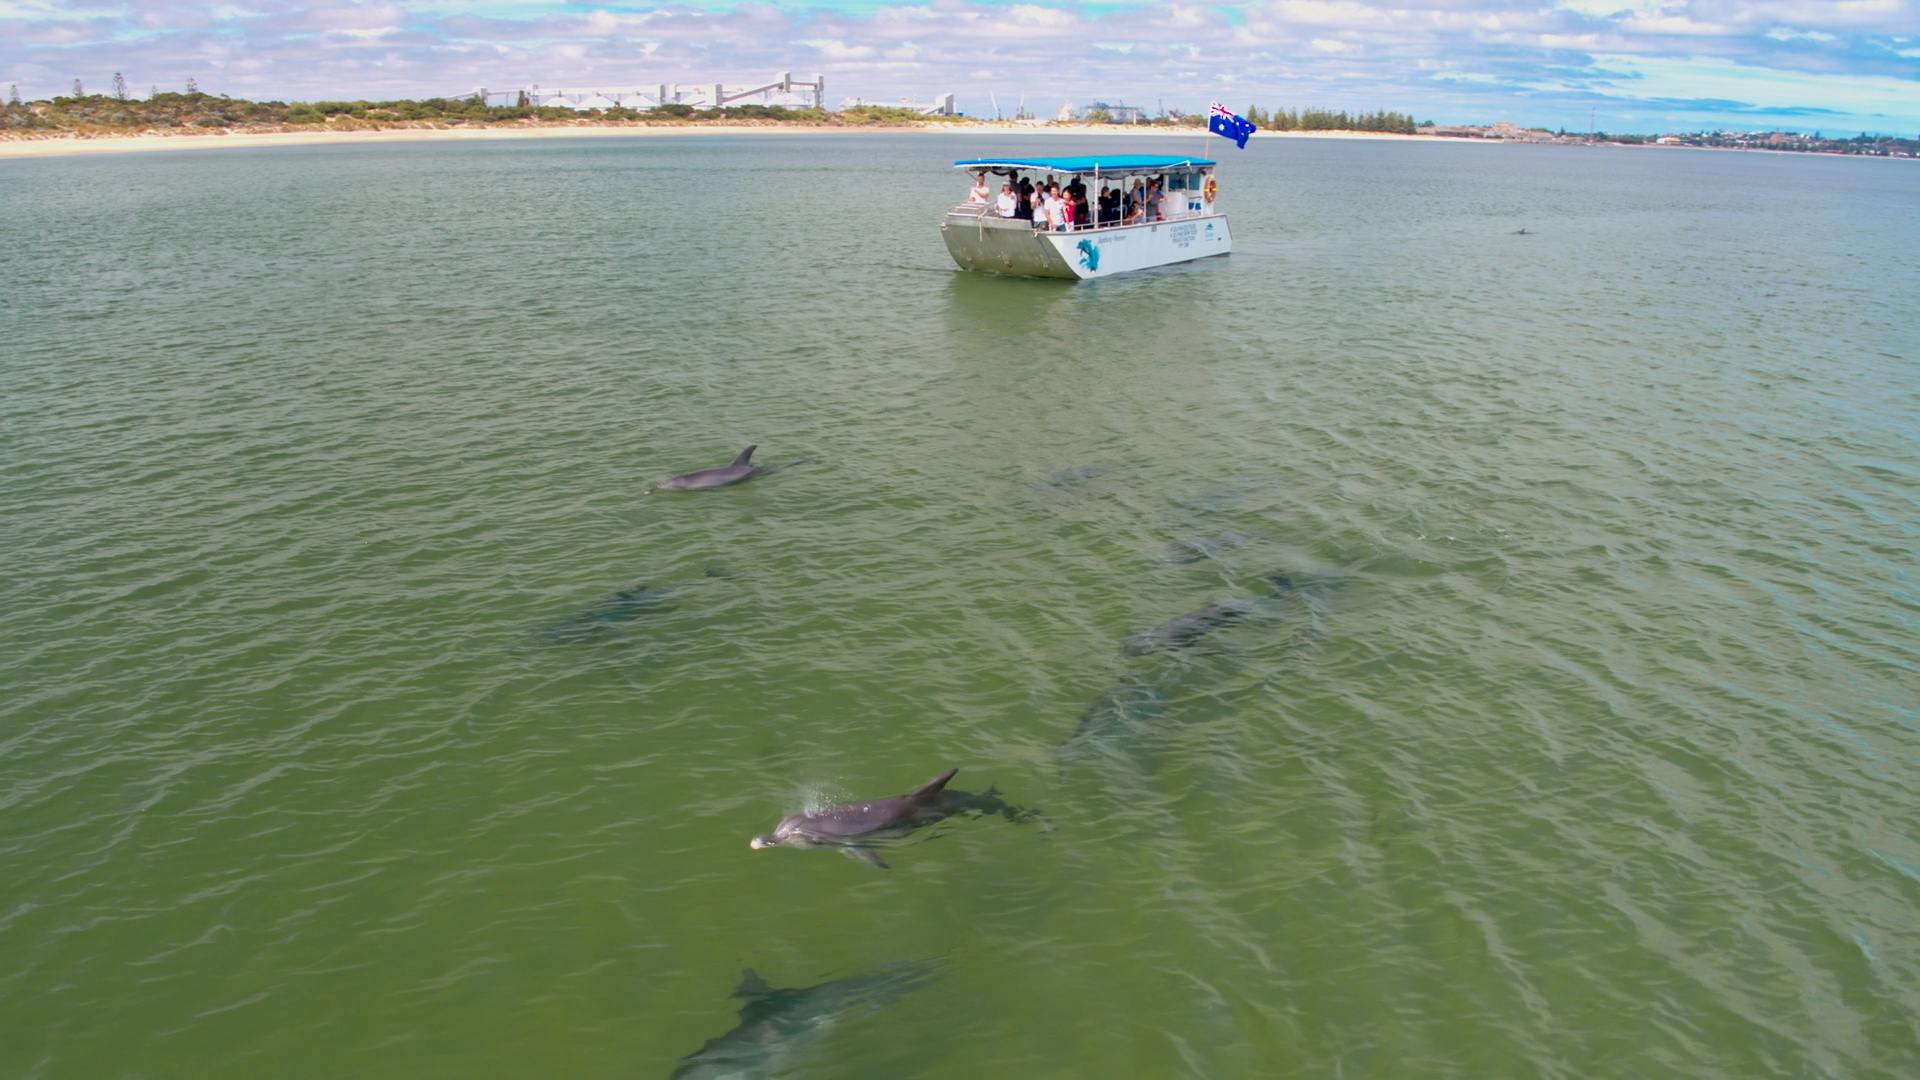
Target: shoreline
149,141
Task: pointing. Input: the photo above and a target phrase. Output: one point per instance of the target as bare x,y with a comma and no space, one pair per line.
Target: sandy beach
152,141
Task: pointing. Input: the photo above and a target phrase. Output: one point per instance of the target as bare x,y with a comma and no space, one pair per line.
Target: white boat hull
1007,246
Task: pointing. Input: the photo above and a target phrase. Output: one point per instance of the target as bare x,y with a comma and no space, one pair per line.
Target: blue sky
1840,66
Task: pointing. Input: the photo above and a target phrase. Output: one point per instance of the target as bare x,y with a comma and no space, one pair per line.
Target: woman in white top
1008,201
979,195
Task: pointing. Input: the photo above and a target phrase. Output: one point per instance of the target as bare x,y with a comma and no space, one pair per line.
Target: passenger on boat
1137,203
1080,207
1008,203
1109,206
1067,217
1025,210
980,194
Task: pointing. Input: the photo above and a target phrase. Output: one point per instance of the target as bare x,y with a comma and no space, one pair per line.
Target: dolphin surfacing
851,826
741,469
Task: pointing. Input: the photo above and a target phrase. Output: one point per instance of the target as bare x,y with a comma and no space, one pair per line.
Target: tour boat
1180,220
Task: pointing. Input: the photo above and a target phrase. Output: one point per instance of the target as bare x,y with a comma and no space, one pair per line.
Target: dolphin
741,469
778,1025
1184,630
854,827
618,608
1078,474
622,606
1195,548
1133,721
1124,708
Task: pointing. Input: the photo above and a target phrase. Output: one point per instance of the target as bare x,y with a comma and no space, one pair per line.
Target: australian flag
1222,121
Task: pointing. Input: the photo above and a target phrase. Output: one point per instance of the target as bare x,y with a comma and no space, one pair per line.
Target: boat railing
981,213
1174,219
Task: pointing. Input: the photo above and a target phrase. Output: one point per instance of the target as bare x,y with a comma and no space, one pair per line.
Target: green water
1586,746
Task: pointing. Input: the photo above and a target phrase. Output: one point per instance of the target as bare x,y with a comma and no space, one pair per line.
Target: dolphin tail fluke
746,456
933,786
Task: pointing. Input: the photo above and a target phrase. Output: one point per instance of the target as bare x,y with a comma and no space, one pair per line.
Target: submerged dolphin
1184,630
1195,548
1126,706
741,469
777,1025
854,827
622,606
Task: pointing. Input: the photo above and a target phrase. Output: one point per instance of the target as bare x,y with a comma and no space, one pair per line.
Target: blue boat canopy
1113,163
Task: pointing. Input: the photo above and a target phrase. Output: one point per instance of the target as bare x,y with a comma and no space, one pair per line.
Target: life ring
1211,189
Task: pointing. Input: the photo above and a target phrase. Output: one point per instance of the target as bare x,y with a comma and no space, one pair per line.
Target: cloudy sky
1839,66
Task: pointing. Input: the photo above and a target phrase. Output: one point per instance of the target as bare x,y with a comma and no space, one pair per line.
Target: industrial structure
783,90
940,106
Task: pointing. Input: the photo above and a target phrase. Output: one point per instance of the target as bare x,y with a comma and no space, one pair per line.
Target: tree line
1311,119
162,110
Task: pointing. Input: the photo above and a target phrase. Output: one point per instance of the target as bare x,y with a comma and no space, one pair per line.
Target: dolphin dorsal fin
751,985
746,456
934,785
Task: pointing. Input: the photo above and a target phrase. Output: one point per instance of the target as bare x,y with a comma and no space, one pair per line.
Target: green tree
77,90
13,95
193,87
119,86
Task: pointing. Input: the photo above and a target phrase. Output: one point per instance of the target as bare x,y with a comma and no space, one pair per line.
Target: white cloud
1766,88
1781,33
1663,23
